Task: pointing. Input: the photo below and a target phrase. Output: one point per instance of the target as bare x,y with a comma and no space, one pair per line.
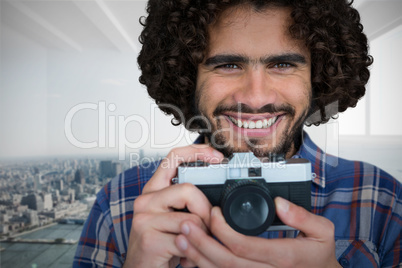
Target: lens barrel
247,206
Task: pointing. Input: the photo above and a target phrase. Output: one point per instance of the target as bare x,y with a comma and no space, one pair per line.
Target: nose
257,89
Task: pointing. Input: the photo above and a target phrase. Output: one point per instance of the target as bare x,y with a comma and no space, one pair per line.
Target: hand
314,247
155,223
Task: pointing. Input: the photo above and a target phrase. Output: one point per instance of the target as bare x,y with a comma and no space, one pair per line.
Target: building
32,217
106,170
117,169
79,177
33,201
37,182
47,201
59,185
109,169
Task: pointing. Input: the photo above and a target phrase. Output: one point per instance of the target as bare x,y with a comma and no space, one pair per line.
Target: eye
228,66
283,65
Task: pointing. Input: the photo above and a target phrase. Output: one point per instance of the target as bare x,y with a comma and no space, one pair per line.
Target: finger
154,235
192,254
186,263
234,241
165,222
168,167
312,226
153,243
177,196
269,251
205,251
275,252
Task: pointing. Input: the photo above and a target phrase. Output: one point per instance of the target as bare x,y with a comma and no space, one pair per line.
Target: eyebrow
234,58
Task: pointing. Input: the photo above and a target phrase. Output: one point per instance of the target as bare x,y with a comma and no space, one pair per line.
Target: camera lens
248,210
248,207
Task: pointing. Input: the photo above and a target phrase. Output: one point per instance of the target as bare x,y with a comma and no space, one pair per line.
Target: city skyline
38,192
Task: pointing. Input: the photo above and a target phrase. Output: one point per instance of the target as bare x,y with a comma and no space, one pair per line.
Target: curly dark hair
175,39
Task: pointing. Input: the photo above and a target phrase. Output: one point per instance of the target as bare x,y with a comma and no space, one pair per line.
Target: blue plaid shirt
361,200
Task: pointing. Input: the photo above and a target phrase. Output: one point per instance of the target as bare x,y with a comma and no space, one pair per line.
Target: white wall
385,84
40,86
372,131
23,95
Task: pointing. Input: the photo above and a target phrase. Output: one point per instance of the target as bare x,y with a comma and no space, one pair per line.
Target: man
248,74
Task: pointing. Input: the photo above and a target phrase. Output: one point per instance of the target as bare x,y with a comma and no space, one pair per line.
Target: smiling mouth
254,124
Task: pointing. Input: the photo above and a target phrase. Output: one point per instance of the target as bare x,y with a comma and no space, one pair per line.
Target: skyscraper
33,201
37,182
106,169
116,168
79,177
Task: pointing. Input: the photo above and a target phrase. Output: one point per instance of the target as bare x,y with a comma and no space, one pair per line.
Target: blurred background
73,115
57,54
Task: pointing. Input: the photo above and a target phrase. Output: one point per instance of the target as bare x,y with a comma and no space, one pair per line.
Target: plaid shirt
361,200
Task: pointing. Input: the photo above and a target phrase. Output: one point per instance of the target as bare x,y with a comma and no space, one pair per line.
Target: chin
258,147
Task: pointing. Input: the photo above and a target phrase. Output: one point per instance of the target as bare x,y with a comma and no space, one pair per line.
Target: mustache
244,108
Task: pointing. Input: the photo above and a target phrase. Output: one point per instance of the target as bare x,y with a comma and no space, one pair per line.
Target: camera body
245,187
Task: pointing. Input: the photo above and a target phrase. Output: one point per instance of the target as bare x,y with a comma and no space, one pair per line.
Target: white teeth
270,121
266,123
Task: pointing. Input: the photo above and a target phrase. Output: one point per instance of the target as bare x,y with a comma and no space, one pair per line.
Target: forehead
242,13
245,30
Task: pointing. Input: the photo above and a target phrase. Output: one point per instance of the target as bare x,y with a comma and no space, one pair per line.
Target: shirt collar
317,157
308,150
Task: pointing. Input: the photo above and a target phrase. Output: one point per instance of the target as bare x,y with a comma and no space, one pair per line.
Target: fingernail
217,153
282,204
182,243
213,212
185,229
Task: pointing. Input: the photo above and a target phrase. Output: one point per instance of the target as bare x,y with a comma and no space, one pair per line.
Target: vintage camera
245,187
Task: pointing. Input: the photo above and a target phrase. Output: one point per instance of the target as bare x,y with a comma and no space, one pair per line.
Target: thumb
299,218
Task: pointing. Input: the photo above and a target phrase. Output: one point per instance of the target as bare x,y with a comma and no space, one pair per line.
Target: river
26,255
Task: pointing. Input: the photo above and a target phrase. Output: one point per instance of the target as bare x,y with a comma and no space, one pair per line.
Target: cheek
305,95
203,96
298,94
211,93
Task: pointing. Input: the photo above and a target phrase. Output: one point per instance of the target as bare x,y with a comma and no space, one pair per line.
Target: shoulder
126,186
362,185
340,172
108,226
361,175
